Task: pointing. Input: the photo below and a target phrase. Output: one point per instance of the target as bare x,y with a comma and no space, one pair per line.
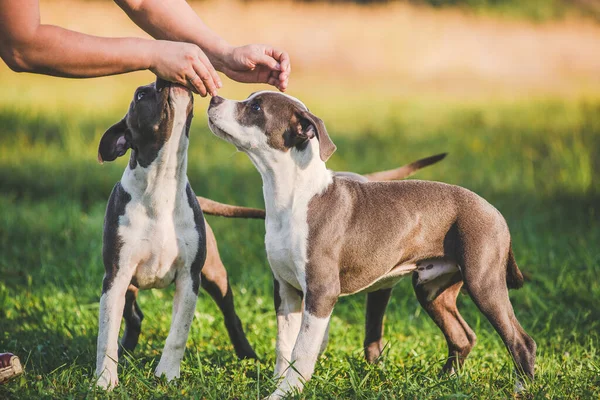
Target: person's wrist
149,52
221,55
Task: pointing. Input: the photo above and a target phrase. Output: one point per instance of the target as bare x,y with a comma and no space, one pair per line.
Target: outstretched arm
176,20
28,46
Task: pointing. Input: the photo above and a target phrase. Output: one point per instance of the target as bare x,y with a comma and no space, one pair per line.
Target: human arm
29,46
176,20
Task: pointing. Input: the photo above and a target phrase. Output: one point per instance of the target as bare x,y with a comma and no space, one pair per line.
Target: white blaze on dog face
268,121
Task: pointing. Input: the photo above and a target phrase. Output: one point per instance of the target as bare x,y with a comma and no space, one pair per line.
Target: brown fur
376,304
216,282
442,310
211,207
365,235
359,231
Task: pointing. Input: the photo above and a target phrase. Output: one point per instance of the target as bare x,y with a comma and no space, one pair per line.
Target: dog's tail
212,207
406,170
514,277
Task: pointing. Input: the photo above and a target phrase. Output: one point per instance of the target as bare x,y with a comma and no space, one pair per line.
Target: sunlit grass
533,155
534,159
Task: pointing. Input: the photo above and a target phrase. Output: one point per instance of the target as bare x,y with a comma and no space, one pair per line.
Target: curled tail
514,277
406,170
212,207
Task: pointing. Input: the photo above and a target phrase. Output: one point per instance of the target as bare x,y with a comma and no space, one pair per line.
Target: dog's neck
291,180
162,183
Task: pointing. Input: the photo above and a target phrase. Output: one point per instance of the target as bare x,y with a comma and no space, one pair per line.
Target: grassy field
534,155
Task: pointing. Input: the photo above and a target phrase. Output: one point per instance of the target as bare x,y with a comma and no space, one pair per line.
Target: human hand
186,64
258,63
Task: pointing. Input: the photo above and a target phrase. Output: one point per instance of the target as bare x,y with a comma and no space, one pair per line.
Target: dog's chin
221,133
179,94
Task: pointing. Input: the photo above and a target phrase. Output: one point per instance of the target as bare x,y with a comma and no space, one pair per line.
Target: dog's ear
114,142
311,126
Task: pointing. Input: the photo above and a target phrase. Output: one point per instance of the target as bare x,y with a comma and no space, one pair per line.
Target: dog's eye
140,96
255,106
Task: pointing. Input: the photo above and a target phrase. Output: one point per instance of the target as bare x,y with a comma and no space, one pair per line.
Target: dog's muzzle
216,100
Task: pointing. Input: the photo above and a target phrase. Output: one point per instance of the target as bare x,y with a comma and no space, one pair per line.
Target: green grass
536,160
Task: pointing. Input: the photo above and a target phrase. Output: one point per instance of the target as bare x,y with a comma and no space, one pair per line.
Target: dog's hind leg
438,298
184,305
377,302
215,282
133,321
485,279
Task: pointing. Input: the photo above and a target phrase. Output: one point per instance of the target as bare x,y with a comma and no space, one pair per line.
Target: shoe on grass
10,367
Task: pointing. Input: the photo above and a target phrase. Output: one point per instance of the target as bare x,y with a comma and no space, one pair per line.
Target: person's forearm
176,20
56,51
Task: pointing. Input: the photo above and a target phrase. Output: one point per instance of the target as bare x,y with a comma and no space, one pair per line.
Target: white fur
290,180
184,305
305,354
160,241
432,280
289,319
111,311
287,191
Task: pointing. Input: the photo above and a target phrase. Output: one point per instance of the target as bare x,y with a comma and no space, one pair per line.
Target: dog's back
374,226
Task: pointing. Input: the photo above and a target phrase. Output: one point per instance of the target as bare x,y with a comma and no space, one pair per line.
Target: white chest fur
290,181
158,246
286,245
158,228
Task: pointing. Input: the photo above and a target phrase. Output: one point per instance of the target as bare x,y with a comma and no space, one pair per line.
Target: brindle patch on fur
198,262
132,159
276,296
150,142
112,242
190,115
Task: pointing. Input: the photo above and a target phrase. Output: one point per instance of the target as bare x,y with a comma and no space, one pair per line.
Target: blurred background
510,89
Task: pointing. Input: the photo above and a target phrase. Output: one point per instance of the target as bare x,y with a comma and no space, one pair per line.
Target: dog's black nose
216,100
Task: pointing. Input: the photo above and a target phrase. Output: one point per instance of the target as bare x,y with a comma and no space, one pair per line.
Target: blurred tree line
538,10
534,9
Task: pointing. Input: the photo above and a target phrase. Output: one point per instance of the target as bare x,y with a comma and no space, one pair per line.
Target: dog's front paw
169,371
107,380
284,389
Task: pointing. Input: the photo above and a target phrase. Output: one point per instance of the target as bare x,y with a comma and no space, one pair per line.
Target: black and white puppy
154,232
